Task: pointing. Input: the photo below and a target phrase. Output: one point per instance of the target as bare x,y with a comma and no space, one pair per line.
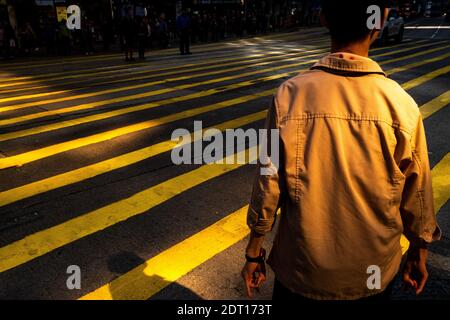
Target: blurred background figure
129,35
49,36
2,39
163,31
64,39
28,39
184,29
143,33
108,34
88,36
10,41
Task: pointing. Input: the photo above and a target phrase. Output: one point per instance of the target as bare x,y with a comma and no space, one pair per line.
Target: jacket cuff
427,236
258,225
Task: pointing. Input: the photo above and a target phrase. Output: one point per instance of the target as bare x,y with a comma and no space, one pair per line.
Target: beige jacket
354,176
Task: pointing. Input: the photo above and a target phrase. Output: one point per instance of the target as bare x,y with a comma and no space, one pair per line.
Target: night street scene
250,151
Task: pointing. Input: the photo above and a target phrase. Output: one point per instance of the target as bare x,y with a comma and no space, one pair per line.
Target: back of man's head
347,19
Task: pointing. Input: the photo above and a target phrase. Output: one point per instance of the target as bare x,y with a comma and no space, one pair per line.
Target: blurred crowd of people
140,33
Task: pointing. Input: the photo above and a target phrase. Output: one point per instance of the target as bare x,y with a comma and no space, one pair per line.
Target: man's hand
254,275
415,274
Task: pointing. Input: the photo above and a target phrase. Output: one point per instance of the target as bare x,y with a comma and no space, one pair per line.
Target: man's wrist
259,257
255,244
419,244
254,253
417,250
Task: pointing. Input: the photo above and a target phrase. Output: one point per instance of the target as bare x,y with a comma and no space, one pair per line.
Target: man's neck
358,48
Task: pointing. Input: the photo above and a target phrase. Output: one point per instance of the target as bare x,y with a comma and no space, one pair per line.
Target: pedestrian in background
204,26
163,31
108,34
2,39
89,37
49,36
142,35
10,41
129,35
64,38
28,39
184,29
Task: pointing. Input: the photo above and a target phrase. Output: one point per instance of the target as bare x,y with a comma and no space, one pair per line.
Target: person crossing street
184,30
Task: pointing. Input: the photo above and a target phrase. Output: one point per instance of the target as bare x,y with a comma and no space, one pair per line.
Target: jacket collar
348,62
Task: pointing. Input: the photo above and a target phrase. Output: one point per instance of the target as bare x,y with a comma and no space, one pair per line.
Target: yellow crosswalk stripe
42,242
149,278
123,65
31,96
415,55
222,44
112,74
441,182
418,64
33,62
84,173
408,48
429,76
46,128
164,52
45,152
96,169
318,49
131,76
158,272
144,94
37,154
424,78
23,97
435,105
147,106
203,49
10,81
86,75
40,103
112,71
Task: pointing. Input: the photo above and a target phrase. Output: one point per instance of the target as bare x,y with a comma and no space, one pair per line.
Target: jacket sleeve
417,206
267,188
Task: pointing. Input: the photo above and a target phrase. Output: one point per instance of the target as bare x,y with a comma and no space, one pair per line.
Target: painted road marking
425,78
42,242
84,173
95,71
237,61
63,124
164,53
414,55
96,169
155,274
37,154
30,156
149,72
433,106
23,97
144,94
40,103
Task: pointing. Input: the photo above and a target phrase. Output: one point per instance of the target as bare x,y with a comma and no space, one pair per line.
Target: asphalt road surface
87,178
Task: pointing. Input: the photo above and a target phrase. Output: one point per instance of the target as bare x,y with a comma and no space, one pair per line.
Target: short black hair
347,19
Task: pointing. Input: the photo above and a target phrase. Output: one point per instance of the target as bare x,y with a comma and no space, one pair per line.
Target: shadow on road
136,282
